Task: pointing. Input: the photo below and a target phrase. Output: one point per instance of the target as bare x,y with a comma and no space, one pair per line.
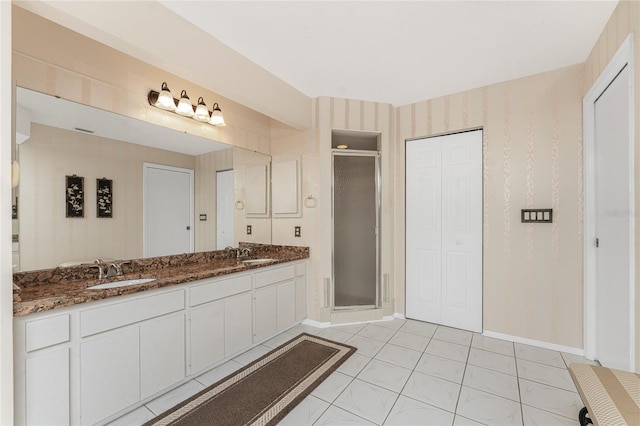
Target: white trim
316,324
399,315
190,172
531,342
622,58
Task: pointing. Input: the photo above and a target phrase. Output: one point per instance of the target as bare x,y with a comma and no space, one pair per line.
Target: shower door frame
378,207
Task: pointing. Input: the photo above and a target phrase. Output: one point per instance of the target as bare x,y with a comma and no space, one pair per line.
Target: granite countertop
56,288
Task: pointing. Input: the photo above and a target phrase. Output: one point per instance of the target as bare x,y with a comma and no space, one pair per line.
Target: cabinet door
47,388
237,323
301,298
286,305
206,335
109,374
265,313
162,354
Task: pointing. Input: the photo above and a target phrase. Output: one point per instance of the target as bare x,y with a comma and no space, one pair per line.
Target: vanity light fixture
165,100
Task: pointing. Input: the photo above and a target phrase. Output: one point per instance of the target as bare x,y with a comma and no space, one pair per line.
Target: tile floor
414,373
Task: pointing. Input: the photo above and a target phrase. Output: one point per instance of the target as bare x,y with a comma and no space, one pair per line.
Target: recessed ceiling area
400,52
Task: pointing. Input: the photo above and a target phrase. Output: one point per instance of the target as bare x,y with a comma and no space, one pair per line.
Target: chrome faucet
101,268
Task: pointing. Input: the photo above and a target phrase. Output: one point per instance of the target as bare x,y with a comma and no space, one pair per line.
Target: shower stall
356,223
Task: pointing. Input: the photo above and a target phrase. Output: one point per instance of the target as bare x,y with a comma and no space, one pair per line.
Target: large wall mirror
102,211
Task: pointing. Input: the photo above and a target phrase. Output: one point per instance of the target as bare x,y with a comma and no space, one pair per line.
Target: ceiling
400,52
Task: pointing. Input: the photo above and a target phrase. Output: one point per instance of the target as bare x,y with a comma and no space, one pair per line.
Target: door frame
378,177
145,167
622,58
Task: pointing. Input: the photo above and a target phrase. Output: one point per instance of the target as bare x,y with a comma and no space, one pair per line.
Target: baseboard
398,315
531,342
317,324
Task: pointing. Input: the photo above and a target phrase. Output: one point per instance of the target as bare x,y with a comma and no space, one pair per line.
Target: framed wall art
104,197
75,196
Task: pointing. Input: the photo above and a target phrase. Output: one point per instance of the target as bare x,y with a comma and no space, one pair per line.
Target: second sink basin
124,283
257,261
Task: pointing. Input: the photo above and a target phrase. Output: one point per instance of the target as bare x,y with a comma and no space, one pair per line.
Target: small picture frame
75,196
104,198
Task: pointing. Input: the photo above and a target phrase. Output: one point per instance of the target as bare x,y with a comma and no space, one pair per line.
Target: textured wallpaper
532,158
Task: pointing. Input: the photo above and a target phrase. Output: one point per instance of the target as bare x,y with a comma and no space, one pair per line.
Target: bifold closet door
444,230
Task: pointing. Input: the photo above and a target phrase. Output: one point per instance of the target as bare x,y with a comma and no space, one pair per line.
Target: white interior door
168,210
444,230
613,228
224,209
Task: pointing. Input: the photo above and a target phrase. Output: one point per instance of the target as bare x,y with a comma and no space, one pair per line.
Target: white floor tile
331,387
540,355
367,347
354,364
395,323
453,335
447,350
571,358
418,327
463,421
335,416
397,355
536,417
410,341
490,381
138,416
278,340
552,376
487,408
219,373
351,328
377,333
490,344
549,398
385,375
305,413
432,390
441,367
409,412
366,400
252,354
335,335
176,396
492,361
304,328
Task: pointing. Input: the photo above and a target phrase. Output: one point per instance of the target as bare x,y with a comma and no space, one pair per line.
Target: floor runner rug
266,390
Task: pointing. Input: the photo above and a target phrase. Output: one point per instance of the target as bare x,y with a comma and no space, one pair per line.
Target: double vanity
86,355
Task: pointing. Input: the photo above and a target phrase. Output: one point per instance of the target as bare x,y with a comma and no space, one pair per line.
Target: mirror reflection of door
168,210
224,209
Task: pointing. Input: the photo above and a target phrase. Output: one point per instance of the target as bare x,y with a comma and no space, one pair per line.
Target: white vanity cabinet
274,306
92,362
42,370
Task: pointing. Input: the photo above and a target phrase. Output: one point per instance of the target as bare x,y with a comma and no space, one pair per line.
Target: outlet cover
297,231
248,229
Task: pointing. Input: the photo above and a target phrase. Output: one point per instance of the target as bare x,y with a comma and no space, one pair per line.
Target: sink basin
123,283
257,261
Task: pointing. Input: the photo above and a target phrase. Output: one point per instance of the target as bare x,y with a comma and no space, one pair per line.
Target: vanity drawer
274,276
301,269
218,289
97,320
47,332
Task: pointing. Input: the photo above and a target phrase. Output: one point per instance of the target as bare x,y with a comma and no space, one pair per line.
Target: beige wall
532,156
47,237
54,60
624,20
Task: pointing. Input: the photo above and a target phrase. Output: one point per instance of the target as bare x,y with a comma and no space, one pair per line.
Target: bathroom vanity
91,355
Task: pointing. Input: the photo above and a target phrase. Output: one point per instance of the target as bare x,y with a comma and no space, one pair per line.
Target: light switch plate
536,215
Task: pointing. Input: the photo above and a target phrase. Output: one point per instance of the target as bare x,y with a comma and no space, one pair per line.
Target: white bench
611,397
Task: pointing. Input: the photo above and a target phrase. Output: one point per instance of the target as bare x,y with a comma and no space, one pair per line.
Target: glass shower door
355,226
